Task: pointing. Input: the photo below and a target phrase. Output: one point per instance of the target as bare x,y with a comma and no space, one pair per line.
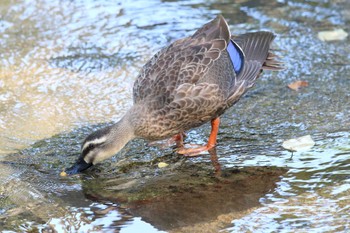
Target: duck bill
79,166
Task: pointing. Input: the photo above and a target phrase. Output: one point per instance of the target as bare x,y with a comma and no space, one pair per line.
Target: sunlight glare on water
67,63
98,221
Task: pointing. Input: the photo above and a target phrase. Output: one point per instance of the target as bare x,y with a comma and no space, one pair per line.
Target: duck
192,81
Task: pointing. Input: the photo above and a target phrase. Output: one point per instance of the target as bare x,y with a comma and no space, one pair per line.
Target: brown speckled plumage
190,82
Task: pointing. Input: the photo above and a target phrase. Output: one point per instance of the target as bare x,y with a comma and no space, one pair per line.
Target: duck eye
87,149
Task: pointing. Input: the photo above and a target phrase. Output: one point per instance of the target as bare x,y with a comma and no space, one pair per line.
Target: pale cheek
89,157
102,155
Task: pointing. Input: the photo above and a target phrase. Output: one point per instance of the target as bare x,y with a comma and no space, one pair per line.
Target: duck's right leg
211,142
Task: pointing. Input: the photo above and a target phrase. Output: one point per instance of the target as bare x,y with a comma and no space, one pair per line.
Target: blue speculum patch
236,55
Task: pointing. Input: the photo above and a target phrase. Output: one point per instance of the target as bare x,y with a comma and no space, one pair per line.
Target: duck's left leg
179,140
211,142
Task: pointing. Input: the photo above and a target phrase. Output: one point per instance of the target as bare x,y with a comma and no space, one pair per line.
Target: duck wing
257,57
185,61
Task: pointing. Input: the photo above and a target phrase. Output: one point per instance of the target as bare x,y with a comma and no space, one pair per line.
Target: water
67,68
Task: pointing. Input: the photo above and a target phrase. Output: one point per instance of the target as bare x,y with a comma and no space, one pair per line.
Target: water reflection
193,194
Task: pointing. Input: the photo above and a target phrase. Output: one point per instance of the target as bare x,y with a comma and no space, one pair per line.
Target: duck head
102,144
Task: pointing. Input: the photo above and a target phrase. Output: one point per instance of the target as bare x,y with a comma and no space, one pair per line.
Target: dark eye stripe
89,148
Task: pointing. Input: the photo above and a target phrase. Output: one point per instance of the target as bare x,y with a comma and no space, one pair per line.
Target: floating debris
162,165
63,174
298,84
337,34
299,144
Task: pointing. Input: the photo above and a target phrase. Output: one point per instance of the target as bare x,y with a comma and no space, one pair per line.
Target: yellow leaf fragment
299,144
298,84
63,174
337,34
162,165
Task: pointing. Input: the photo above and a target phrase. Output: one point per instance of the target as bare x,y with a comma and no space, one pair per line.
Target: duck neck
118,136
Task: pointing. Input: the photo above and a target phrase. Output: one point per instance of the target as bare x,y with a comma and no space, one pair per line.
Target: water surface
67,68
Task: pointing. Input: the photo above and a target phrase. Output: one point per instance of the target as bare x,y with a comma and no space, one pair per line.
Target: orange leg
211,142
179,140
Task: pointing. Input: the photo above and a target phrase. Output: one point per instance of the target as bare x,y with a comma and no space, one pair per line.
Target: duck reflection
189,194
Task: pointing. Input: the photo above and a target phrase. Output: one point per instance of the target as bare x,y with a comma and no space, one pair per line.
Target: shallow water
67,68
